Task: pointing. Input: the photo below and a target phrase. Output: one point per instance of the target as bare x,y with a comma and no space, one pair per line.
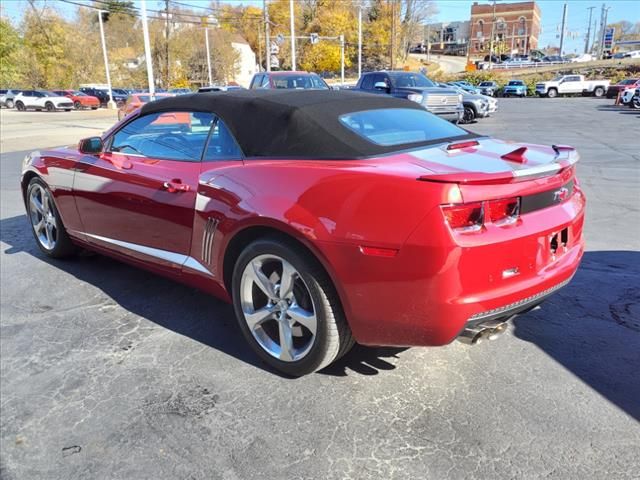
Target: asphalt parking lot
110,372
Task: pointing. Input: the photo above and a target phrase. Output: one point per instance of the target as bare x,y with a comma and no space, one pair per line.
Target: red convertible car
326,217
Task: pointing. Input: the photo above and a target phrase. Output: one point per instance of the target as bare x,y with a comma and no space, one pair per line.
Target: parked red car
613,90
80,100
326,217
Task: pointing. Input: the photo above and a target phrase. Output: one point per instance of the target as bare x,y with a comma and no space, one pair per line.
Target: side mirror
380,86
91,145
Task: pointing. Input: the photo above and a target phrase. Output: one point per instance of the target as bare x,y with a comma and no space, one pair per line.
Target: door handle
175,186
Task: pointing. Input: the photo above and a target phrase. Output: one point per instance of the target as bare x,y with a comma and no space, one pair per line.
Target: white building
246,66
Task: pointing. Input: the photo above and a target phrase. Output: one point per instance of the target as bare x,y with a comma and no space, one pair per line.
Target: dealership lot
111,372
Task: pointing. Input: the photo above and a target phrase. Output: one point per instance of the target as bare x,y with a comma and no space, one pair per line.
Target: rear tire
46,224
598,92
9,103
49,106
297,331
20,106
77,105
469,114
552,93
94,108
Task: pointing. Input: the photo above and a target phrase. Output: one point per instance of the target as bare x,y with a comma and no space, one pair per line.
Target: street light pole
586,43
493,24
206,42
564,23
110,103
293,36
147,47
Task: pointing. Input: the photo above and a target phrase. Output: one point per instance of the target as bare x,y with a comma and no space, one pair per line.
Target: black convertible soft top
291,123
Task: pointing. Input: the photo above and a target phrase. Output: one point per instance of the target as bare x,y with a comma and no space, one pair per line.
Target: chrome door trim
184,261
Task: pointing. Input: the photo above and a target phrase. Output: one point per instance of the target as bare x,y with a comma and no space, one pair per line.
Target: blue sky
449,10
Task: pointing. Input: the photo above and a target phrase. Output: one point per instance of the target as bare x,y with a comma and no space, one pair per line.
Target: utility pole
267,36
167,78
342,60
564,23
147,47
111,103
428,42
259,50
293,36
493,24
359,42
601,35
586,43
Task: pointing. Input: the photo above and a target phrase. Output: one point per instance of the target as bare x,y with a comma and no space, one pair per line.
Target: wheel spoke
49,234
287,280
39,226
36,205
45,202
263,283
286,341
304,318
255,319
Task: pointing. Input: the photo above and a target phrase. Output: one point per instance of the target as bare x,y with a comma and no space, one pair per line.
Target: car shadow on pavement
592,327
174,306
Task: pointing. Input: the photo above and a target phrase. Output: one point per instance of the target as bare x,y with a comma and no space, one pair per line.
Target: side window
367,82
222,145
176,135
265,81
257,81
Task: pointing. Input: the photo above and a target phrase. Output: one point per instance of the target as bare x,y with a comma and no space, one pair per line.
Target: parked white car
571,84
42,100
632,54
585,57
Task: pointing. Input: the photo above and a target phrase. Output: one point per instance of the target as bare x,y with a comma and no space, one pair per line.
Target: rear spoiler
565,157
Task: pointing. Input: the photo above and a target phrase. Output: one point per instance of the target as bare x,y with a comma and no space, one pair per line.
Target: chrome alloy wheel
43,217
278,308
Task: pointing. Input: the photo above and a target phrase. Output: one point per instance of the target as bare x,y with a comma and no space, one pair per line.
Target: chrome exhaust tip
489,330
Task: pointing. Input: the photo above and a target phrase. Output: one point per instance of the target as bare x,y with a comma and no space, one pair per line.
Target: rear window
398,126
516,83
300,82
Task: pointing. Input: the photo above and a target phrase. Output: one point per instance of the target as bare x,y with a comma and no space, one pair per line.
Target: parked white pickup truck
571,84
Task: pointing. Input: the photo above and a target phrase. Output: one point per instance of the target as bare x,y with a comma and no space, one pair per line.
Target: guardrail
509,66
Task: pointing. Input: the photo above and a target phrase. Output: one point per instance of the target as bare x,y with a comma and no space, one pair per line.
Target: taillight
467,217
470,217
504,211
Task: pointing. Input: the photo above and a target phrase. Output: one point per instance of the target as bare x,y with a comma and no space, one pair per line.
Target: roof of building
291,123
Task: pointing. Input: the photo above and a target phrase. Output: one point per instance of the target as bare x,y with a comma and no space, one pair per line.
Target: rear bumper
438,285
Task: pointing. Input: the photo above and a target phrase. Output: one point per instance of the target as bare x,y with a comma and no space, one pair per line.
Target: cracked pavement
111,372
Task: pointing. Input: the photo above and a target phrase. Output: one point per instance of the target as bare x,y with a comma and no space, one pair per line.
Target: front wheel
77,105
94,108
287,308
46,223
552,93
20,106
49,106
9,103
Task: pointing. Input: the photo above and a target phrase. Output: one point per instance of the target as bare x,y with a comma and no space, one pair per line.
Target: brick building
516,28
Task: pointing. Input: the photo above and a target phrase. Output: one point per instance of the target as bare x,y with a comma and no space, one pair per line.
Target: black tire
552,93
67,109
49,106
333,337
77,105
20,106
469,114
9,103
598,92
94,108
63,246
